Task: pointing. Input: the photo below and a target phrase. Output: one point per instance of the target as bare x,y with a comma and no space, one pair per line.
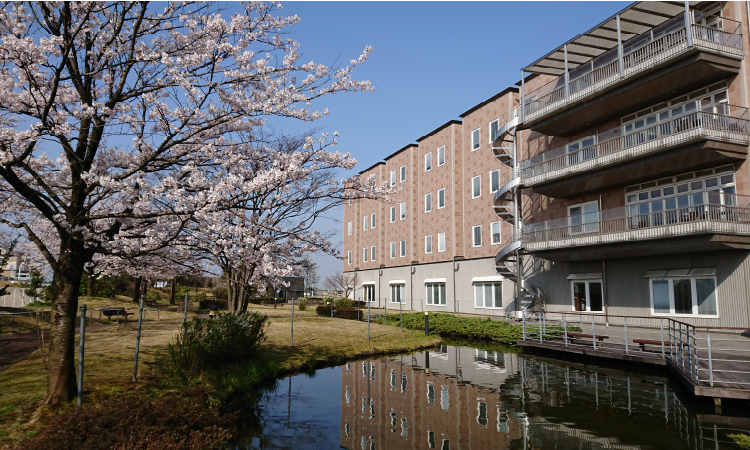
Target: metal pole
186,299
523,325
80,356
567,77
291,342
539,324
385,311
625,323
401,314
565,329
661,328
426,323
522,116
593,331
710,365
368,319
688,31
138,340
619,46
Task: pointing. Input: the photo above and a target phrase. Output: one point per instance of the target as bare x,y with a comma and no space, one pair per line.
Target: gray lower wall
416,291
627,288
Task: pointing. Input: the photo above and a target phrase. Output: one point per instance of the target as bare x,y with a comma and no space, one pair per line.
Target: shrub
266,300
742,440
343,302
302,304
183,420
215,342
153,295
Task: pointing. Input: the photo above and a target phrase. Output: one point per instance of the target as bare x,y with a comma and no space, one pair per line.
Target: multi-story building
621,183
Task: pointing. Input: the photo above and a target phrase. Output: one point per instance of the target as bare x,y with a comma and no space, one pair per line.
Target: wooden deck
725,373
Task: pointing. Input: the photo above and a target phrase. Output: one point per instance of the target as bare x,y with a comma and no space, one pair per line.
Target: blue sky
431,62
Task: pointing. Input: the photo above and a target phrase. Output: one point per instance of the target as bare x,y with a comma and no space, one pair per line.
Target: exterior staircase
529,296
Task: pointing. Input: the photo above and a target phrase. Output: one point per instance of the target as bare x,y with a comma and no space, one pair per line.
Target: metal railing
721,360
726,41
614,145
712,212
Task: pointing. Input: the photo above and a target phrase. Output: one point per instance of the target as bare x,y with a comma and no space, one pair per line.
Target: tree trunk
90,292
171,293
61,375
137,290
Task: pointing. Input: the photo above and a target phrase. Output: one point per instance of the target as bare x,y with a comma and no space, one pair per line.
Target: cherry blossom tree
125,124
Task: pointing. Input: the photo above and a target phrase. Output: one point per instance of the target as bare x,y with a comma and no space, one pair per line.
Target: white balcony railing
725,40
729,124
711,212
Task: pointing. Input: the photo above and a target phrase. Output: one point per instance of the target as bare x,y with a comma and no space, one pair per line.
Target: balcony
676,144
665,61
712,221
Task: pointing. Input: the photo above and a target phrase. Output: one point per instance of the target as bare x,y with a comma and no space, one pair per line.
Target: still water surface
467,398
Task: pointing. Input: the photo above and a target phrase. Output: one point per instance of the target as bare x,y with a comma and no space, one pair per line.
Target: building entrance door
587,296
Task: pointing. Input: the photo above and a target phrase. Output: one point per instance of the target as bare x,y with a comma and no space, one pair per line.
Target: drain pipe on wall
604,293
411,285
455,300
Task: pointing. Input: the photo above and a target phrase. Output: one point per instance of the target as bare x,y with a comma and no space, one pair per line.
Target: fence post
593,331
385,311
368,318
661,328
138,340
291,342
401,314
80,355
539,324
625,323
565,329
710,365
186,299
695,357
523,324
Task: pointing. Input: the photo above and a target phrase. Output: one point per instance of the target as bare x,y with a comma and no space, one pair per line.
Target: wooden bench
109,312
599,337
644,342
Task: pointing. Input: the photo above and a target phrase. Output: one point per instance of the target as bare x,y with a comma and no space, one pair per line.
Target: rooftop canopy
636,19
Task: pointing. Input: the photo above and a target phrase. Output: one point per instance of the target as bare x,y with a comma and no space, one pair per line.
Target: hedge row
341,313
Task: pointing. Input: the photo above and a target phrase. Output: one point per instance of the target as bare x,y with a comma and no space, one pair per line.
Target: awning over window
397,282
585,276
434,280
496,278
705,271
636,19
368,282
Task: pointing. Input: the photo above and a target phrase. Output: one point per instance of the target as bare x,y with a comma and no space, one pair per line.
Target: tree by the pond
124,124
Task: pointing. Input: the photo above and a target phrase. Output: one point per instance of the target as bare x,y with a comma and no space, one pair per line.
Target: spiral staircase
509,260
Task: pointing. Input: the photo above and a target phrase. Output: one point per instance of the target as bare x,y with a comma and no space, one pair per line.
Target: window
584,218
372,220
684,295
495,230
445,402
477,232
581,150
494,181
488,295
435,294
476,186
403,210
393,177
349,227
350,201
475,140
683,198
393,214
349,257
441,242
393,250
364,254
372,253
482,413
494,128
398,295
428,244
587,295
441,198
441,155
428,202
368,291
431,439
428,162
403,174
403,248
364,222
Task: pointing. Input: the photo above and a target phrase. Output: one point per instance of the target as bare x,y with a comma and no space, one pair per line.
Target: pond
458,397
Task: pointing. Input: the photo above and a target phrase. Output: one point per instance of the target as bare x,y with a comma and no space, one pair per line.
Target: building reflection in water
460,397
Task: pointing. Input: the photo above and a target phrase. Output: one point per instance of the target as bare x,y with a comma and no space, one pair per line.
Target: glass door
584,218
588,296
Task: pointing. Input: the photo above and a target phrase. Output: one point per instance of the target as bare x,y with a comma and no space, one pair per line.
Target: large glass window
588,295
372,253
393,177
428,162
683,198
403,174
428,244
441,198
393,250
584,218
441,242
403,248
428,202
495,230
436,294
441,155
393,214
402,206
494,128
398,293
368,293
684,295
476,186
477,232
349,226
488,295
494,181
475,139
